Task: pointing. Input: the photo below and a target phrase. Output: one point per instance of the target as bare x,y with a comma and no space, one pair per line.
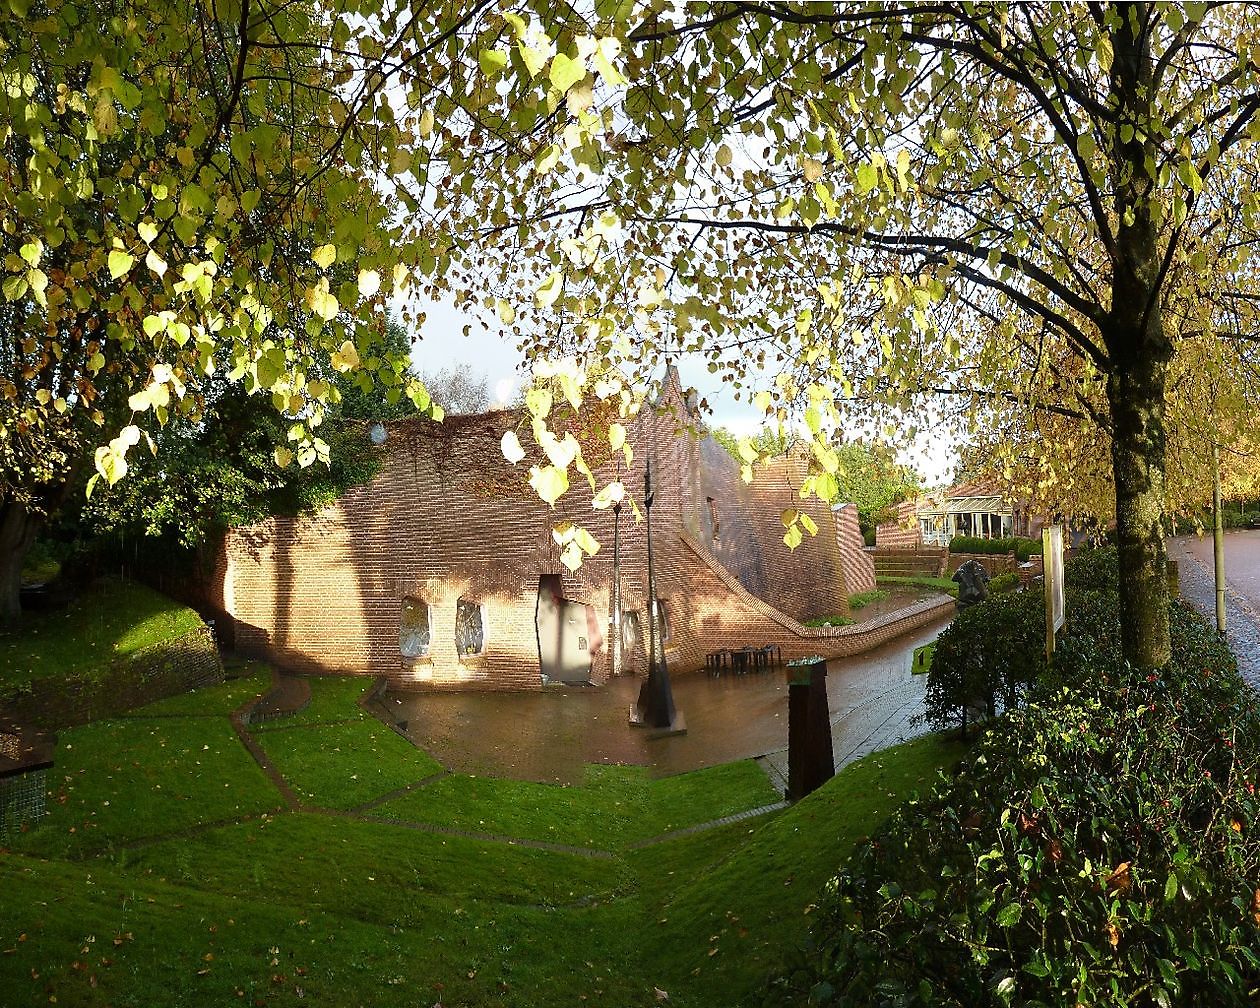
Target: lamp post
655,709
616,591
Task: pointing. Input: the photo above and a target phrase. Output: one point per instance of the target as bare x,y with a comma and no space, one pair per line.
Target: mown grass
293,909
345,764
822,621
726,927
923,581
333,698
860,600
111,620
614,807
117,781
83,935
129,894
249,681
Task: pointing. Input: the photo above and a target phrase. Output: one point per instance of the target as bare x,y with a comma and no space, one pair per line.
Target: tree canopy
188,192
1040,205
848,211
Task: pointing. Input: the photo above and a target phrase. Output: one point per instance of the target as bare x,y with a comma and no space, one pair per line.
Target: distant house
976,509
443,571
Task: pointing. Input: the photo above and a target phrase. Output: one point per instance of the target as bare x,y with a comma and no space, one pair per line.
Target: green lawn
333,698
860,600
614,807
342,765
110,620
118,781
724,926
934,583
170,871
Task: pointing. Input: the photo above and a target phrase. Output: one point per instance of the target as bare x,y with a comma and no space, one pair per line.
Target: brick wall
993,563
859,568
447,518
924,562
724,615
900,533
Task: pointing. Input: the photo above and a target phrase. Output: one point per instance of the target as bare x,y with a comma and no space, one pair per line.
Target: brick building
977,509
443,570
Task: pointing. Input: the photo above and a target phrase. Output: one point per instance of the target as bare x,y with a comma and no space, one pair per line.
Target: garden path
1242,591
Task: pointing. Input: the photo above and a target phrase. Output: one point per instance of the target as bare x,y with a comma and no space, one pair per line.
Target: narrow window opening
414,634
470,636
630,630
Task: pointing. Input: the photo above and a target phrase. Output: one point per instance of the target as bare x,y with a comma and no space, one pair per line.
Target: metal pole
1218,539
616,591
656,697
647,507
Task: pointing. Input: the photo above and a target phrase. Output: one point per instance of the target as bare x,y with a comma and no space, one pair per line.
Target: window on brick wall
630,630
470,632
662,620
414,629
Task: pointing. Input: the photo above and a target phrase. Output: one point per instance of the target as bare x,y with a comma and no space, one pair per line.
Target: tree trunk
1138,348
18,529
1136,395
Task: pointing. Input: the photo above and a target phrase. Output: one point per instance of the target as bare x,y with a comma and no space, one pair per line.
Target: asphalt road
1242,589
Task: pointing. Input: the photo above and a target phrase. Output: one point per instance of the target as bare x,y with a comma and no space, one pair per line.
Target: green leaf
549,482
867,178
550,289
324,256
1009,915
14,288
492,61
31,251
565,72
120,263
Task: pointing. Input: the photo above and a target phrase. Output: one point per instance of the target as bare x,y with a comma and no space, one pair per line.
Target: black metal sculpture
973,584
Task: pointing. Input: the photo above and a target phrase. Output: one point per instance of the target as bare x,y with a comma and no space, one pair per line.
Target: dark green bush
1022,548
1101,847
1004,583
986,660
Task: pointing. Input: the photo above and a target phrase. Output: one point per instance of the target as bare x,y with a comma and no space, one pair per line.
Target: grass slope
614,807
726,927
289,909
110,620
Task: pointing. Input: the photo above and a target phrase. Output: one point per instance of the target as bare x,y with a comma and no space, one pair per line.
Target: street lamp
655,708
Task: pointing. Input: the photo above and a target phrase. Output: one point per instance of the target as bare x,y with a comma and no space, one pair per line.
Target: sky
493,356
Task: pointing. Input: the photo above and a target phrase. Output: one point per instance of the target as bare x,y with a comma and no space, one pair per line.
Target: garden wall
910,563
993,563
161,670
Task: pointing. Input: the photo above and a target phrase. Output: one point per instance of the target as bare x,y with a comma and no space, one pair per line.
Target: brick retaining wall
910,563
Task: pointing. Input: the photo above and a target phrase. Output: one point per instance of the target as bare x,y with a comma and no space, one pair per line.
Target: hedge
1022,548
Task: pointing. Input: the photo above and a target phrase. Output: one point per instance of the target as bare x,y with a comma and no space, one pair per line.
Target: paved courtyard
550,735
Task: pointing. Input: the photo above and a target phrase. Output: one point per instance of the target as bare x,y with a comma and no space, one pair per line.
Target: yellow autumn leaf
346,358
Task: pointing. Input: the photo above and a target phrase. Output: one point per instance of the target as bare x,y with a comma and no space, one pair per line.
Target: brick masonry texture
158,671
448,519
